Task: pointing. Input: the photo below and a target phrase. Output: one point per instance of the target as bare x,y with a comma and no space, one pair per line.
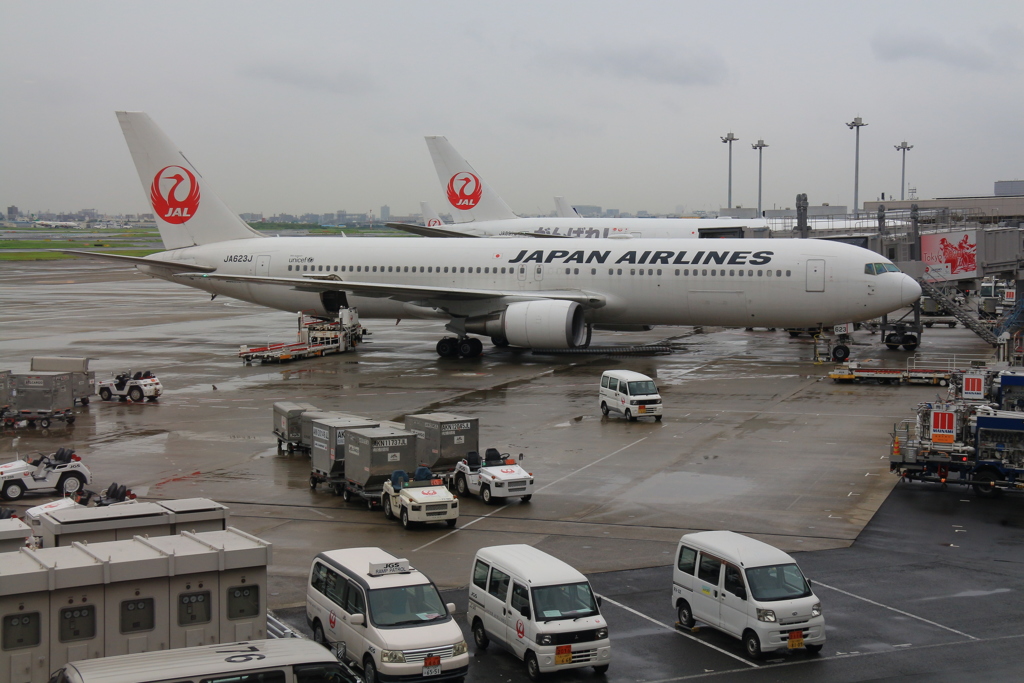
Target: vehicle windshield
642,388
568,601
777,582
406,605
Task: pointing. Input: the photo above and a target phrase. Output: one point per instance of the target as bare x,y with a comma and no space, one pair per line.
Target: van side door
495,605
683,576
733,599
335,586
614,400
522,630
353,635
706,589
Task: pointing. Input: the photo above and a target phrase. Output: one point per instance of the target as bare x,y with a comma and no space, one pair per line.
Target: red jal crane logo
164,194
433,222
464,191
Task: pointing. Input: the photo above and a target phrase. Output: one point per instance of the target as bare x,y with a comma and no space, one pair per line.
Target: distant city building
823,211
327,219
12,213
251,217
88,214
611,213
1009,188
313,218
642,214
385,213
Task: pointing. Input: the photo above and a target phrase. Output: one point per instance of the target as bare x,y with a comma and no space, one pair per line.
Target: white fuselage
645,228
734,282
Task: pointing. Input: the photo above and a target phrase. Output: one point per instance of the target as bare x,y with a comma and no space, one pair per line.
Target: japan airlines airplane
479,212
517,291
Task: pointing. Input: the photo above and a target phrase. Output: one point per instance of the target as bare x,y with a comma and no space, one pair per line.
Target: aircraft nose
910,290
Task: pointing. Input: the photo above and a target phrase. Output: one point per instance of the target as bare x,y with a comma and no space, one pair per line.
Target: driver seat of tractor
422,473
397,477
473,461
492,457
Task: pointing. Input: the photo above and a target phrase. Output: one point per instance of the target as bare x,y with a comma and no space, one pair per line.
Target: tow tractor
63,471
141,385
424,499
498,477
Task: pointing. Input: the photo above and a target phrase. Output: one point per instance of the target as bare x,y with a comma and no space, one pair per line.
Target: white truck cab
384,616
496,478
539,607
424,499
748,589
629,394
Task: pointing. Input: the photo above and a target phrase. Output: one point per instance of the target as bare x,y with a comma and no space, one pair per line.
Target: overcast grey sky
321,106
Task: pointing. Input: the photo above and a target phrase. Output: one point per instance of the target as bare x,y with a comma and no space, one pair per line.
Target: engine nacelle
543,324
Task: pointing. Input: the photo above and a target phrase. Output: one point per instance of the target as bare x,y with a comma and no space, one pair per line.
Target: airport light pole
856,124
760,150
730,138
903,147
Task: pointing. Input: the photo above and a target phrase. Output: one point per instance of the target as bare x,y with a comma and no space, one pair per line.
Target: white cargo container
99,599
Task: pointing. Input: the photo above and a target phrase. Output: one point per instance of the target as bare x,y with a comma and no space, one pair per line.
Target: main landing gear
466,347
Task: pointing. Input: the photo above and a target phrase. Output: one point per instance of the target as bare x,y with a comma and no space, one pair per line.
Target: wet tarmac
755,437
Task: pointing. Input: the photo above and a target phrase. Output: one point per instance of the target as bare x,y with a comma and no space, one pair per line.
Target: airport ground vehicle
629,394
961,443
286,660
138,386
539,607
855,372
316,337
385,616
747,589
496,478
423,499
62,470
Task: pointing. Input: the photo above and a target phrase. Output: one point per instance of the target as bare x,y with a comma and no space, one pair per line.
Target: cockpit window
879,268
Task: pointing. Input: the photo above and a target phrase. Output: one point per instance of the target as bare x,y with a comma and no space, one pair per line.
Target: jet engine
542,324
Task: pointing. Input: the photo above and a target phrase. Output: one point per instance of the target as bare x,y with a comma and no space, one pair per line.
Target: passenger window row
341,591
488,270
485,270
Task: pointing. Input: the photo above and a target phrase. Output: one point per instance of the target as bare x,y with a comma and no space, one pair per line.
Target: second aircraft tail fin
470,197
430,217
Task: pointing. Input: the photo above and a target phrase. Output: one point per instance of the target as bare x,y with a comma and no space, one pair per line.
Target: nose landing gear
466,347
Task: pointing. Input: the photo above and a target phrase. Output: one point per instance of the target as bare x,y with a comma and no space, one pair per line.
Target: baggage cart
83,380
371,456
44,397
327,456
443,439
287,423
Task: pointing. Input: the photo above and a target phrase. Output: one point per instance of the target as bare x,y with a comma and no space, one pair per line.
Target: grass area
54,244
56,256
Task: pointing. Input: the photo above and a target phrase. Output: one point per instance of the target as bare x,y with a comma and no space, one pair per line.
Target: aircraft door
521,274
538,273
263,265
816,275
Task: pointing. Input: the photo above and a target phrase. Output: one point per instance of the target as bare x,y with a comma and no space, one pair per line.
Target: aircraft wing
428,232
140,260
443,232
407,293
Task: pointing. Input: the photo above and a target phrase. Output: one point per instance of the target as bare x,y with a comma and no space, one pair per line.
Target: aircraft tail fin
187,211
430,217
470,197
564,209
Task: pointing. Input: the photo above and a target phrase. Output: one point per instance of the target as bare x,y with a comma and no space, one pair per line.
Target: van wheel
629,415
532,667
450,522
318,633
369,671
684,614
813,648
480,635
601,670
526,499
604,408
752,644
657,418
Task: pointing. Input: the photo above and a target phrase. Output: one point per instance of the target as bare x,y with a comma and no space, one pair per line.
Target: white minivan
384,616
747,589
539,607
629,394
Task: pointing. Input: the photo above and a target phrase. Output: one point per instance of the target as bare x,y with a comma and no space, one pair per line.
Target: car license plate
796,639
563,654
642,409
432,669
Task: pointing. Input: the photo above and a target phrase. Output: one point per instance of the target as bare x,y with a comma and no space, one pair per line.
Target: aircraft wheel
498,341
447,347
909,342
465,347
840,352
478,346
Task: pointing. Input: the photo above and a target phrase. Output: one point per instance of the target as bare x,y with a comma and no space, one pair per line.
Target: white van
287,660
747,589
629,394
384,616
539,607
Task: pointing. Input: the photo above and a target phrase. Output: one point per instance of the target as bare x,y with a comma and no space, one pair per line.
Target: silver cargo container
306,425
44,392
328,452
6,388
83,380
443,439
287,425
371,455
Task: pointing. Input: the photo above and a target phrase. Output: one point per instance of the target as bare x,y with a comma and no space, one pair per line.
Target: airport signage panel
950,255
943,426
974,387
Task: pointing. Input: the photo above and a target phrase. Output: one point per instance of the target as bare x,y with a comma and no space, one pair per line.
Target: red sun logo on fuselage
464,191
164,194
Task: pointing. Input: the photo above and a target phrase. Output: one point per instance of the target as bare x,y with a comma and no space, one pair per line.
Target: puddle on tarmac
688,487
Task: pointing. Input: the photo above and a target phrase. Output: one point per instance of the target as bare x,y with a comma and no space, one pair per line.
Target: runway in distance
478,211
517,291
